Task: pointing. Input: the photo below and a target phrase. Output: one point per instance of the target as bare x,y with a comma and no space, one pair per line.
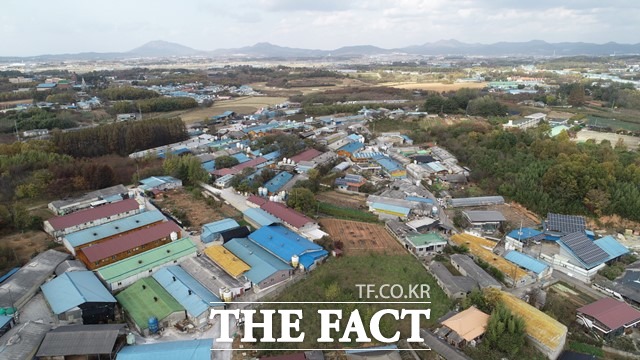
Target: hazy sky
32,27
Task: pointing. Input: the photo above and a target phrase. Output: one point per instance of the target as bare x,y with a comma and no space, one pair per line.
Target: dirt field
339,84
342,199
632,142
513,212
242,105
8,104
433,86
359,237
576,297
23,246
196,210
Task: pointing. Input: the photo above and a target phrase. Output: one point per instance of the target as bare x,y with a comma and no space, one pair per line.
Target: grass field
336,281
242,105
351,201
433,86
345,213
359,237
583,135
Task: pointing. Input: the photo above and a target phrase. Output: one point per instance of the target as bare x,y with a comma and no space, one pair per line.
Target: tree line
120,138
159,104
548,174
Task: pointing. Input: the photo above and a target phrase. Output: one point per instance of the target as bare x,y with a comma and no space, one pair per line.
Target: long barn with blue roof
285,244
265,268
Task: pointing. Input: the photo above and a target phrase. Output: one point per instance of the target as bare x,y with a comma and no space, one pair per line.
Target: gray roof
484,216
454,284
22,341
441,347
474,271
80,340
70,265
477,201
91,196
28,279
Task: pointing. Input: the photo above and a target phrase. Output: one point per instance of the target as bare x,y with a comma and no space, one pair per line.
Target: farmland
345,212
439,87
241,105
16,249
359,237
342,199
632,142
184,205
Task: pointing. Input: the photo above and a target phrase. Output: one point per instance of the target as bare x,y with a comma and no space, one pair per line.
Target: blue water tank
153,325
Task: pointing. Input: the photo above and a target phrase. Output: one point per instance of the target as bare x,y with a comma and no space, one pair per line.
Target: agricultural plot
183,204
433,86
631,142
243,105
342,199
359,237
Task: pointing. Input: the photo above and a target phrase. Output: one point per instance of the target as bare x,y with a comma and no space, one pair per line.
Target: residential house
350,182
466,327
609,317
146,299
425,244
79,296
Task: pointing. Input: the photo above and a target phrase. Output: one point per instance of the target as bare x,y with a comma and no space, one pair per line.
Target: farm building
6,323
518,238
224,258
258,218
389,206
467,267
423,224
306,155
146,299
239,232
79,296
545,333
528,263
278,182
392,168
23,285
477,201
265,268
30,335
481,248
125,272
93,235
62,225
582,258
82,341
122,247
193,296
285,244
160,183
257,163
290,217
425,244
185,350
106,195
456,287
211,231
466,327
486,222
609,317
69,266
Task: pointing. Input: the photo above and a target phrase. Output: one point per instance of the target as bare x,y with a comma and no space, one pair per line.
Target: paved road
236,200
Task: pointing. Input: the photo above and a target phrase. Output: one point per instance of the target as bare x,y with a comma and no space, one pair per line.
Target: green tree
225,161
576,95
505,331
302,200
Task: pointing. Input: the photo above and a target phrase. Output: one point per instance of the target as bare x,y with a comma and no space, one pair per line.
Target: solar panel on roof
584,248
565,223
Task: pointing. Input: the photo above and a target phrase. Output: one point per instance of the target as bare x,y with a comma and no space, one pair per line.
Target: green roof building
127,271
424,244
146,299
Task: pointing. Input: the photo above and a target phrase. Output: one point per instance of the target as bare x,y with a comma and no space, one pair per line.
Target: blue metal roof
419,199
435,166
368,155
392,208
8,274
4,319
47,85
278,181
171,350
388,164
526,261
263,264
260,128
284,243
192,295
75,288
355,137
211,229
352,147
209,166
242,158
611,247
113,198
524,233
260,217
155,181
112,228
272,155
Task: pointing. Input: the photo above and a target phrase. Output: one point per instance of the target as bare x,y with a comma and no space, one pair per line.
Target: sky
35,27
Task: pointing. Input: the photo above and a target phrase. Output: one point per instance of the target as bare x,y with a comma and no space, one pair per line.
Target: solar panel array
585,249
565,224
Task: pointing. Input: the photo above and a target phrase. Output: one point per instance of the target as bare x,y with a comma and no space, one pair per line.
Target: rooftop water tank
174,236
131,339
153,325
295,261
227,296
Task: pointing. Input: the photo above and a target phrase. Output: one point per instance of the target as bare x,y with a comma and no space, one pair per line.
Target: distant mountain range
157,49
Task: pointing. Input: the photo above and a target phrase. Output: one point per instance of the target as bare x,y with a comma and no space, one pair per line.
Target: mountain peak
163,48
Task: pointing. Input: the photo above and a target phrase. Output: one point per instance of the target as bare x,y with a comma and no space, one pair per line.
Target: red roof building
132,243
65,224
288,215
306,155
609,316
256,201
238,168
